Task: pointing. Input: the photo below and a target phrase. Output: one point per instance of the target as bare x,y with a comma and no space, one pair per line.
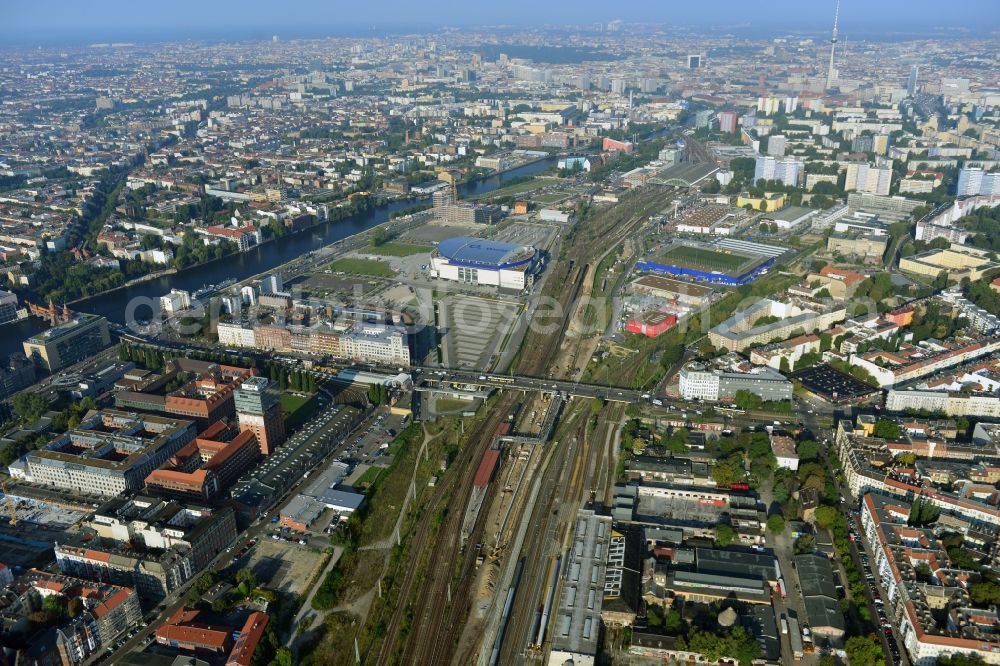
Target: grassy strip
362,267
395,249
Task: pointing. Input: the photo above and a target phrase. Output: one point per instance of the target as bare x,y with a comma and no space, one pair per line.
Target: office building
974,181
205,399
272,284
19,373
8,306
700,383
175,301
206,467
694,61
108,453
66,344
258,408
912,80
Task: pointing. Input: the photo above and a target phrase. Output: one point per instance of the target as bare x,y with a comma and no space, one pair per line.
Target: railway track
452,496
563,481
539,350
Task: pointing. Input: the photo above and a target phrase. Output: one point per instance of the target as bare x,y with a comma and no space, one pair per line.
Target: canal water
246,264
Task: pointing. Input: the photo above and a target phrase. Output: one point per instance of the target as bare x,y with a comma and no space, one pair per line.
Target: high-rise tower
830,72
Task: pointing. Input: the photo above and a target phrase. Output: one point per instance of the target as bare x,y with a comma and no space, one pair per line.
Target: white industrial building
485,262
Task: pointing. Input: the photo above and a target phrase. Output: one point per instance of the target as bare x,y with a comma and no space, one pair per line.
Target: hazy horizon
62,21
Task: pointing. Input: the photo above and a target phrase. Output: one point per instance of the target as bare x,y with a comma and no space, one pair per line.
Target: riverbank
262,259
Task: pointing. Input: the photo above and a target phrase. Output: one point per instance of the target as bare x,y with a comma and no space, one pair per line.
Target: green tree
724,535
805,544
808,450
985,594
864,651
737,644
747,400
729,471
960,659
887,429
29,406
775,523
827,516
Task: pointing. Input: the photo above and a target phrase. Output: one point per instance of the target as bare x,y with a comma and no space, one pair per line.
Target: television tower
833,47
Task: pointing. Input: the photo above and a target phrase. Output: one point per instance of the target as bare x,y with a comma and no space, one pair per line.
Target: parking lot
473,329
832,384
370,445
283,565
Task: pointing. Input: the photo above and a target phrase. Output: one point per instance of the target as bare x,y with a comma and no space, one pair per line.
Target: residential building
957,262
727,121
900,550
152,545
865,177
788,171
741,330
106,612
910,362
973,181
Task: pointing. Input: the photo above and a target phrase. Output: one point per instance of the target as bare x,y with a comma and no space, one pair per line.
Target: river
244,265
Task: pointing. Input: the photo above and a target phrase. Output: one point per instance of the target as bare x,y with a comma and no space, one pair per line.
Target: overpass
499,381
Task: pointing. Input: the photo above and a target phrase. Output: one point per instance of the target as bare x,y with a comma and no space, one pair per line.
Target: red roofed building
181,632
208,465
610,145
246,643
901,316
487,466
107,611
651,324
245,237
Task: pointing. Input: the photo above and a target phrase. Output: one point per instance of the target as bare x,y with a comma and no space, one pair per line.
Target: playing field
704,259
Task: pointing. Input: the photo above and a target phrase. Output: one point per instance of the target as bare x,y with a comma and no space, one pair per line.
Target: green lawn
363,267
519,188
370,476
451,404
297,409
394,249
549,198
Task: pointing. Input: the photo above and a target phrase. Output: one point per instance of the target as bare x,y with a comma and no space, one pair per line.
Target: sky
81,21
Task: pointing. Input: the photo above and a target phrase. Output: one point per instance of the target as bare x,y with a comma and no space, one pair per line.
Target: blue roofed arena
484,261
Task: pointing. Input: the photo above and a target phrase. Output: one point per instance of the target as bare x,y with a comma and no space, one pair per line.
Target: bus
502,380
